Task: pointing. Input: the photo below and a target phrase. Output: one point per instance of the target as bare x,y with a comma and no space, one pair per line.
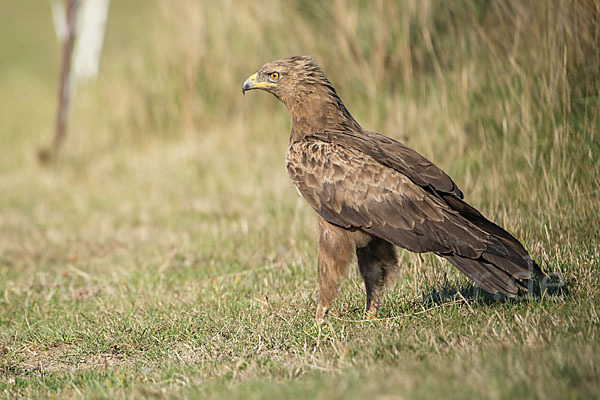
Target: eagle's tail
505,266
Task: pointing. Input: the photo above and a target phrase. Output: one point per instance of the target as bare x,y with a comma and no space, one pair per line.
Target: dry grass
166,254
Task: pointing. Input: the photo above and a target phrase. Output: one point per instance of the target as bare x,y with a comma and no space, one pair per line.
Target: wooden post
65,79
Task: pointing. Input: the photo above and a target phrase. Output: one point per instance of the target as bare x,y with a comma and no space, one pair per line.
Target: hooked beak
251,83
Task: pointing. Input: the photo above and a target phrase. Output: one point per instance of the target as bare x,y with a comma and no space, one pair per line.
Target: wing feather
395,155
359,192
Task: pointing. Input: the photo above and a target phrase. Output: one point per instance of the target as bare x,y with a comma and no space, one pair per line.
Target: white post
65,74
83,53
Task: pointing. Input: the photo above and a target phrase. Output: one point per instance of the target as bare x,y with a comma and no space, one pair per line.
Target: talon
321,314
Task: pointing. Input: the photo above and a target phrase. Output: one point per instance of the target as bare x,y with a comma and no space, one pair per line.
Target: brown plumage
373,193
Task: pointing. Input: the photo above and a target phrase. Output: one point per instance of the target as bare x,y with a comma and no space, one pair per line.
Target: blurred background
167,217
454,79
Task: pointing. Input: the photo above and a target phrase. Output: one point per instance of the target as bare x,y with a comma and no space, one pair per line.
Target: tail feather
495,271
507,265
485,275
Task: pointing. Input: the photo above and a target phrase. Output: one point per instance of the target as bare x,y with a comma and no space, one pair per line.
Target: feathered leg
376,262
335,253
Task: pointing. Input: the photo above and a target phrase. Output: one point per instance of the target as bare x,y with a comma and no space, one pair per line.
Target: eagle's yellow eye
274,76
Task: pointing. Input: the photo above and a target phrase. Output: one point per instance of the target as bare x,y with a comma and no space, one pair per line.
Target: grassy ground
166,254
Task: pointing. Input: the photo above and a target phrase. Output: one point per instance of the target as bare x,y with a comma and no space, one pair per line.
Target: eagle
373,193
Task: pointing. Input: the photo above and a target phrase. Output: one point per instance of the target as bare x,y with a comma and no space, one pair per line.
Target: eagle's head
287,78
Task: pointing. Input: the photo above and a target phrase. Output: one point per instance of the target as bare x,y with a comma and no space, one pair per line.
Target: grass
166,254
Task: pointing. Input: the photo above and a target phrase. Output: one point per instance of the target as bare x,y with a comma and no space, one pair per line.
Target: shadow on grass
553,286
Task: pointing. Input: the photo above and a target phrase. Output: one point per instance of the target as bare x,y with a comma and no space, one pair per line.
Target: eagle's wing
395,155
351,189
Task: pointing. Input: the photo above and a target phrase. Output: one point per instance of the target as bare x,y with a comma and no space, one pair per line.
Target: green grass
165,253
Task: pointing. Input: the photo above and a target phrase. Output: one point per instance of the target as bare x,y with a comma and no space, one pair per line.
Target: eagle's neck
318,109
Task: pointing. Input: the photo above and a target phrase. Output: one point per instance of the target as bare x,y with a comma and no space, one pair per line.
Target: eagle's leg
376,262
335,253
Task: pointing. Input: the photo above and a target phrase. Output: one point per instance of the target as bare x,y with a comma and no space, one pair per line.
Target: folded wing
349,187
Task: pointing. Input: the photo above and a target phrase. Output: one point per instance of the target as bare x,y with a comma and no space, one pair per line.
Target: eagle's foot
321,314
371,307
